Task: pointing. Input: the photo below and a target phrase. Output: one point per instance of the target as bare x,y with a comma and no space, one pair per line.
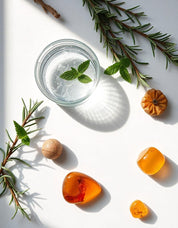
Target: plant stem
48,8
157,42
122,9
14,143
126,54
12,192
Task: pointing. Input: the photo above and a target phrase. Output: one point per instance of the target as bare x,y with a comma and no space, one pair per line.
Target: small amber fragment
80,188
138,209
151,160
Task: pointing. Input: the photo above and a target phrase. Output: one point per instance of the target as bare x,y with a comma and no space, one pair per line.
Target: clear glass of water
59,57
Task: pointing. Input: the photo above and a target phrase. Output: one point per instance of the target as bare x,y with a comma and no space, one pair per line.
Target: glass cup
59,57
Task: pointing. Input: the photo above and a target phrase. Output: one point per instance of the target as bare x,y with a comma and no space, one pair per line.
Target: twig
47,8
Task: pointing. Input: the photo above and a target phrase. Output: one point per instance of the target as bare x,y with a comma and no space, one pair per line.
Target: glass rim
43,55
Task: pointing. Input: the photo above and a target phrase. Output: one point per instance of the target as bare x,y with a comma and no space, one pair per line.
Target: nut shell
52,149
154,102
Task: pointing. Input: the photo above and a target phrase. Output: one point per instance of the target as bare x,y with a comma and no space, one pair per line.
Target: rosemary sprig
113,21
7,178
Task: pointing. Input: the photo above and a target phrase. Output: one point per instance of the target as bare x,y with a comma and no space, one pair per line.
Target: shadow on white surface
151,218
67,160
2,106
99,203
170,116
168,175
106,110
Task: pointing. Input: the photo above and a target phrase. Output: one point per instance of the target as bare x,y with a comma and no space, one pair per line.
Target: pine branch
48,8
6,176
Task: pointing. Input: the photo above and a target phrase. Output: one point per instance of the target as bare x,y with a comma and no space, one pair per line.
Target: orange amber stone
138,209
151,160
80,188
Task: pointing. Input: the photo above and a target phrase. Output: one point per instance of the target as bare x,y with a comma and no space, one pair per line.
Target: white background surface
102,138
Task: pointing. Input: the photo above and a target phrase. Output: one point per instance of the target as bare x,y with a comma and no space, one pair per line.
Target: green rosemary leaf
3,190
83,66
8,147
29,125
113,69
9,173
3,152
153,46
125,74
35,106
30,104
16,210
11,200
24,213
142,63
132,35
29,132
23,192
9,136
84,78
18,146
25,107
5,175
143,83
36,118
23,114
20,160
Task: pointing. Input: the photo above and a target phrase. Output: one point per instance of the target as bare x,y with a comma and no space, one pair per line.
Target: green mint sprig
120,66
77,73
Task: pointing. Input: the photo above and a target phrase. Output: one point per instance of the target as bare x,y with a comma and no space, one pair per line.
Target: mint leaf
125,62
26,140
84,78
74,71
69,75
113,69
22,134
83,66
125,74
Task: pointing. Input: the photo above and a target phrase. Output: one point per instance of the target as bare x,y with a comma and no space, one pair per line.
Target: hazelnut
52,149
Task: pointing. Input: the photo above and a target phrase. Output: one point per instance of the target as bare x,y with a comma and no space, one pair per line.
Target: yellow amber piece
151,160
138,209
79,188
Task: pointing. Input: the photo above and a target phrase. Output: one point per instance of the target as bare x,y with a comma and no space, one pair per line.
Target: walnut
154,102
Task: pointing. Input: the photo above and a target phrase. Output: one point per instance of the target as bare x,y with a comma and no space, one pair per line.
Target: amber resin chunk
79,188
154,102
138,209
151,160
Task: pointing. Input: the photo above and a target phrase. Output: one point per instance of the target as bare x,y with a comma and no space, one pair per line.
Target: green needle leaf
3,152
4,189
113,69
84,78
20,160
83,66
125,74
